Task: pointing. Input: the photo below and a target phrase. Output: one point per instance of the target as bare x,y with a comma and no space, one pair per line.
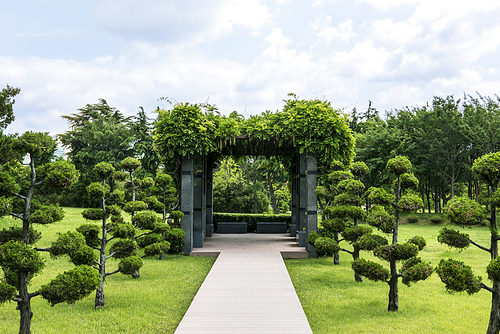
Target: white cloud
342,32
172,21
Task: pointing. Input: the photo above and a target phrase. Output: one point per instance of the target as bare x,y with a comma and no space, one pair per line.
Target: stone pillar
186,205
311,225
199,191
210,198
302,192
295,197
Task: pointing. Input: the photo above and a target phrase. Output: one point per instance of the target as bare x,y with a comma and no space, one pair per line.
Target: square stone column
312,199
209,198
186,202
199,201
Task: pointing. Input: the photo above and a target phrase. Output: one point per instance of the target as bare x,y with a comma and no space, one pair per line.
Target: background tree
98,133
19,260
7,101
456,275
413,268
142,128
235,194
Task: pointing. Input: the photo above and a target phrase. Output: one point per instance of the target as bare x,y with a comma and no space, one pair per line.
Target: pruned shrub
463,211
436,219
410,203
458,277
419,241
352,234
146,220
371,270
370,242
149,239
453,238
93,214
326,246
67,243
412,219
7,291
122,230
335,225
47,214
83,256
124,248
18,257
311,239
380,219
415,270
131,207
157,248
16,233
493,269
71,285
130,265
91,234
396,252
176,238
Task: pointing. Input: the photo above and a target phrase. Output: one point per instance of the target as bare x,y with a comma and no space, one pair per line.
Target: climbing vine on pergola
302,125
306,134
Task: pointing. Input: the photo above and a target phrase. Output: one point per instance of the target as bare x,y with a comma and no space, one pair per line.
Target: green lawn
155,303
334,303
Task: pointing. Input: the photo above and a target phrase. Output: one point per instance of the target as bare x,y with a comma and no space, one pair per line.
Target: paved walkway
248,290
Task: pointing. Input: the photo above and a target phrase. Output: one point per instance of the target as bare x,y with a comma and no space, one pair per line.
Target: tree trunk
99,295
393,288
24,305
355,256
271,193
255,203
336,256
494,323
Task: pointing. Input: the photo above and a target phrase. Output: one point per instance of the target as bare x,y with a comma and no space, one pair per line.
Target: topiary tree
19,260
456,275
413,269
344,213
97,237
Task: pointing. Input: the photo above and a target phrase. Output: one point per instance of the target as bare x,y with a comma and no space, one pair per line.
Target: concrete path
248,291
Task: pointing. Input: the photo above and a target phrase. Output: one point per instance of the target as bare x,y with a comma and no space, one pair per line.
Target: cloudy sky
243,55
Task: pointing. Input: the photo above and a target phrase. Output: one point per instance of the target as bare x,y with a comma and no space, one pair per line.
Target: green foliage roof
302,125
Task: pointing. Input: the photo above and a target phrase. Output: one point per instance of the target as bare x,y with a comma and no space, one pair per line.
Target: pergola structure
196,190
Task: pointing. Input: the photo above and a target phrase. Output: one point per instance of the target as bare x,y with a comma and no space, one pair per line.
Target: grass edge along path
155,303
335,303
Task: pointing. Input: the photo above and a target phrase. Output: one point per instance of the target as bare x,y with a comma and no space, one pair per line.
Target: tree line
442,139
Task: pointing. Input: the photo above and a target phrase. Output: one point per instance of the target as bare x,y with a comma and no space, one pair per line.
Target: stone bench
271,227
231,227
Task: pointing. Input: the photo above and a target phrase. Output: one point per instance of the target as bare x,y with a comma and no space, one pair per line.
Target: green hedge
251,219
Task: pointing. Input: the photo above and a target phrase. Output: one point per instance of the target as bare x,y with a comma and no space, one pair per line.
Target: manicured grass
155,303
334,303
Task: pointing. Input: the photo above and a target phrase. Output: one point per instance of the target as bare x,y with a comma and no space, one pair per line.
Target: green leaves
463,211
458,277
71,286
18,257
453,238
370,270
311,125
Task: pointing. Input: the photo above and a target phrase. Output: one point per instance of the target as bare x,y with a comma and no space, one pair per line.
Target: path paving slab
248,290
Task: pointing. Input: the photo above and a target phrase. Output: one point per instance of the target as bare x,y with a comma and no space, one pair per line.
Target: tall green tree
142,128
7,101
98,133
